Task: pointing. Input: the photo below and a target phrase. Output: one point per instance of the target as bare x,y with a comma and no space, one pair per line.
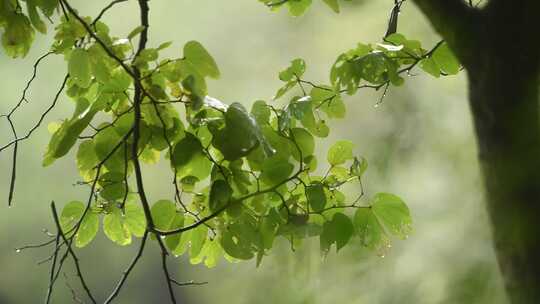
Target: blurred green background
419,143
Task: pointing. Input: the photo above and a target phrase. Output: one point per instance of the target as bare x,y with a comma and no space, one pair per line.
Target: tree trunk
499,46
504,99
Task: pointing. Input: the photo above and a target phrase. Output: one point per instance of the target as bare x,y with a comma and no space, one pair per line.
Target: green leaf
48,6
66,136
376,68
246,229
316,197
431,67
393,214
193,81
241,239
305,143
235,248
18,35
446,60
284,89
172,241
34,16
179,243
189,158
197,240
164,45
344,229
147,55
136,31
113,186
328,101
316,127
261,112
79,67
166,117
220,195
240,135
359,167
333,4
299,107
86,157
166,218
369,229
104,143
268,228
71,215
134,219
238,138
413,47
88,230
298,7
163,214
294,71
339,231
118,82
275,170
197,55
211,253
340,152
114,228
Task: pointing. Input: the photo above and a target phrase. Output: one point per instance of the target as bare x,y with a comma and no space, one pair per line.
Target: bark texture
500,50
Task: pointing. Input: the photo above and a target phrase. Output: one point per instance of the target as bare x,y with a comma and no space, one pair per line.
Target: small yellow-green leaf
333,4
199,57
445,59
340,152
163,214
115,229
393,214
79,67
316,197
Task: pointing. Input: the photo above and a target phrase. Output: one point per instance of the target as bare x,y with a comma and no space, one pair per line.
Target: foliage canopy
241,177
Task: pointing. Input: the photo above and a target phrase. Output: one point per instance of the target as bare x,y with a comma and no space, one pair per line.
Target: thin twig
105,9
128,270
72,253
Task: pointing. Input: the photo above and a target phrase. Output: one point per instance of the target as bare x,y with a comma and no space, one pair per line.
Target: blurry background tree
383,63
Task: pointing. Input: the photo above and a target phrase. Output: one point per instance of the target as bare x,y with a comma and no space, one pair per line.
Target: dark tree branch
128,270
394,16
165,268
